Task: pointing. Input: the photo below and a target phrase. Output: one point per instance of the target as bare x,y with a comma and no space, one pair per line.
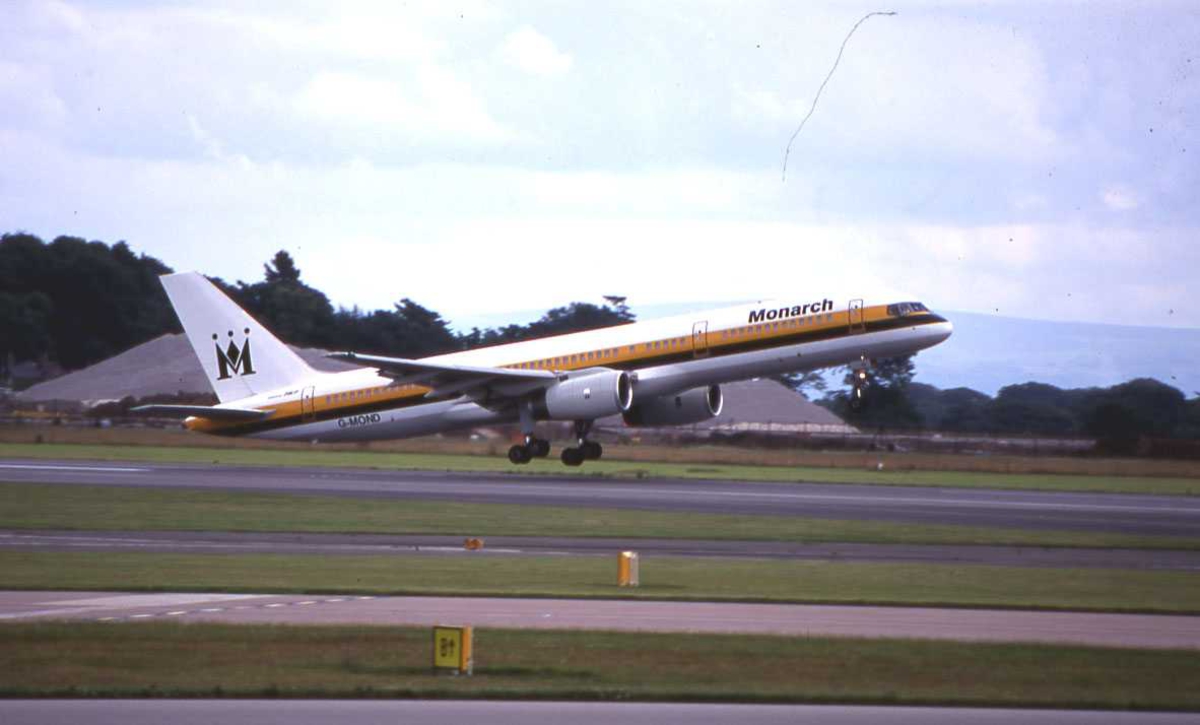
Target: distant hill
164,366
988,352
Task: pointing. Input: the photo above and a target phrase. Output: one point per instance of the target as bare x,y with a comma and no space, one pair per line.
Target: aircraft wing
204,411
445,379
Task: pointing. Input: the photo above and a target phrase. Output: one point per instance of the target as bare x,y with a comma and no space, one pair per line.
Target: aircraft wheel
539,448
519,455
572,456
592,450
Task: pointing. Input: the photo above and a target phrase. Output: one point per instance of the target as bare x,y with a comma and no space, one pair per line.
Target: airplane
654,373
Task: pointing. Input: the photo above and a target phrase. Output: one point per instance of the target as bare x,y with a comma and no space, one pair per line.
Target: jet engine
692,406
589,396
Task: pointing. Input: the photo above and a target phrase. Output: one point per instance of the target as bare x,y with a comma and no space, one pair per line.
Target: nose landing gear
861,380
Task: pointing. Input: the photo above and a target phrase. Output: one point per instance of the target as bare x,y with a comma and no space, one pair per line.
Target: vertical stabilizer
240,357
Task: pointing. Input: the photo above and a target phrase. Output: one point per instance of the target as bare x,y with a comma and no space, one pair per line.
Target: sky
1025,159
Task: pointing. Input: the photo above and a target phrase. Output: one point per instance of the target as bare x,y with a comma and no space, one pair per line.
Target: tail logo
232,360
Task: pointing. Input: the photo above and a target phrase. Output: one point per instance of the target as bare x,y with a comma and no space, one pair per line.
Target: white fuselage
663,357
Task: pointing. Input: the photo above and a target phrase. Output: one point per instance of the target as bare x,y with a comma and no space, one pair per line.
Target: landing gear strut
533,447
859,371
586,450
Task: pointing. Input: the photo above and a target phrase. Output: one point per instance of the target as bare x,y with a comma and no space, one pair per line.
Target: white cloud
61,14
433,103
944,135
534,53
916,85
1119,198
394,36
28,99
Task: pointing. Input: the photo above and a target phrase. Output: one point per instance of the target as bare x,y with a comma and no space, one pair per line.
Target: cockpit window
903,309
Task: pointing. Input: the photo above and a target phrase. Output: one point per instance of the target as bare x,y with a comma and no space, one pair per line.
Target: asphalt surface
349,712
982,625
1116,513
223,542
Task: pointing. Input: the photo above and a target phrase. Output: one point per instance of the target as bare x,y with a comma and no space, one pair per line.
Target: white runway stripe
55,467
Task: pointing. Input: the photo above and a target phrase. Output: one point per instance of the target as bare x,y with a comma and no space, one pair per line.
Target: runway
374,712
980,625
227,542
1116,513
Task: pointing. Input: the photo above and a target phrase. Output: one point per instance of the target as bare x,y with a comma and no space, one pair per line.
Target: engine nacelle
589,396
692,406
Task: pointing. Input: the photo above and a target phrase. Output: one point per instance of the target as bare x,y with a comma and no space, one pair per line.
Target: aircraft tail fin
240,357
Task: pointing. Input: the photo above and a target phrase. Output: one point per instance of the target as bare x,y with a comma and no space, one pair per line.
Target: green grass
607,468
118,508
664,577
170,659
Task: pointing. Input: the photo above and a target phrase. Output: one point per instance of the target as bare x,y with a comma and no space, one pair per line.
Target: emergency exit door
858,322
700,339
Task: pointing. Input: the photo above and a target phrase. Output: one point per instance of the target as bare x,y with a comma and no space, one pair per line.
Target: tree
102,299
575,317
24,333
1115,428
293,311
885,403
963,410
281,269
800,382
1156,409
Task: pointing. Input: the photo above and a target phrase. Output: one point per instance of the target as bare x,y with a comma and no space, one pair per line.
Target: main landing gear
586,450
535,447
531,449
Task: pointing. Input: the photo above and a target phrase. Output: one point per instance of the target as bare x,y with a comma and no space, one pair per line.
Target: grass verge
119,508
608,468
206,660
679,578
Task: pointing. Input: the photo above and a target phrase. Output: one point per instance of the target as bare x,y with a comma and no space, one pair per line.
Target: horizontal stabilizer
203,411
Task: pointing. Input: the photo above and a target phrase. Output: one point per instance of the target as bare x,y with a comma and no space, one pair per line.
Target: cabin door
858,321
700,339
308,409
